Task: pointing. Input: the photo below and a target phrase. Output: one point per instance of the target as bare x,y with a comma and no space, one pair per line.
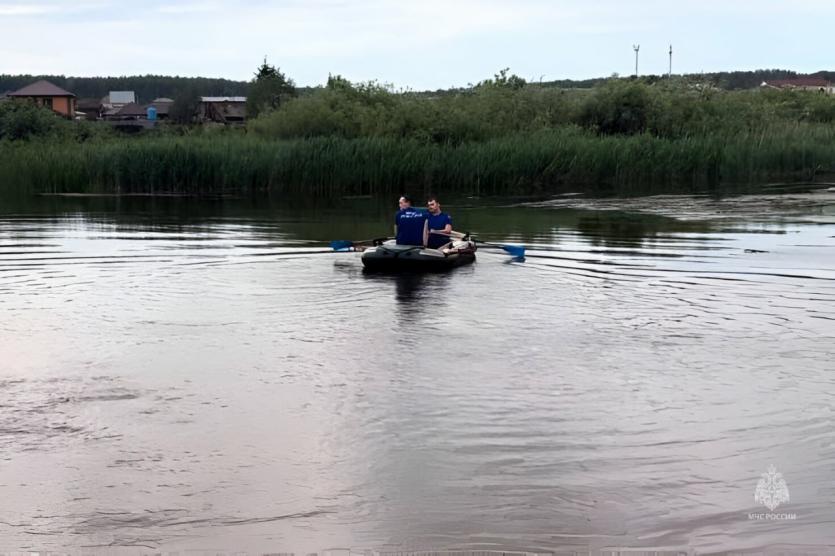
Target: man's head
405,202
433,205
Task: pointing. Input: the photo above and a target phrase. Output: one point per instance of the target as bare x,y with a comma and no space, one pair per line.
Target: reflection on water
180,375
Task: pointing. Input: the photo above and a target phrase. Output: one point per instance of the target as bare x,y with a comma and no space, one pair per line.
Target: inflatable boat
388,256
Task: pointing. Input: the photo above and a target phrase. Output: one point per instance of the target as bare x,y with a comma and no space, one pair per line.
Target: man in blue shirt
410,224
440,223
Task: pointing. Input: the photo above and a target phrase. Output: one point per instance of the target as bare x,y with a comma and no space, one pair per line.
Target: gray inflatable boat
388,256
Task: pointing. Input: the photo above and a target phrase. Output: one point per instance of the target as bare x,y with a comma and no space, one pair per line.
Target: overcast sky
420,44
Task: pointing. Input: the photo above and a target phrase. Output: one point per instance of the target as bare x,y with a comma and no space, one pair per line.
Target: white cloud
11,10
49,8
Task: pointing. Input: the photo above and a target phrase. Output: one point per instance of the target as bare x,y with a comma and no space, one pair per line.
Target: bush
668,108
618,107
24,120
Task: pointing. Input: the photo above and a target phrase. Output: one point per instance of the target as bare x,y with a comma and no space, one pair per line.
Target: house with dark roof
44,93
818,84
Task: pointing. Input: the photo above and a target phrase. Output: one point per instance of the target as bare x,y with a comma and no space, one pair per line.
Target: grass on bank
543,162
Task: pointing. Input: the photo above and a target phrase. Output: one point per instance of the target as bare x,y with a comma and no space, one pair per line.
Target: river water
181,375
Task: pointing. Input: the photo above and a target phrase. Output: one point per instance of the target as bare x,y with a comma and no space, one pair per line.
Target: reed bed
549,161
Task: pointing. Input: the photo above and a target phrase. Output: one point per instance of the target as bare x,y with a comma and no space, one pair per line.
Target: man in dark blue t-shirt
439,222
410,224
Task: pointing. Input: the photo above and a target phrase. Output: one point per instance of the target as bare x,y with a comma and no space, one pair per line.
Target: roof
132,109
41,89
222,99
88,104
799,82
122,97
162,100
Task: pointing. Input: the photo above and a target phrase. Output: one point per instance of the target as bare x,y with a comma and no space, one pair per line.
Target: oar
343,244
517,251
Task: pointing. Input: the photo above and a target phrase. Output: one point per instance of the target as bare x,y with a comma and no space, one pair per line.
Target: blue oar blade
515,250
342,244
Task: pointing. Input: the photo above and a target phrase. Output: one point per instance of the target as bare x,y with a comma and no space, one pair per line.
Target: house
115,101
225,110
44,93
817,84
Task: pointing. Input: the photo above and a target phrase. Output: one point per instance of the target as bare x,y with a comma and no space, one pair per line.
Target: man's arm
446,229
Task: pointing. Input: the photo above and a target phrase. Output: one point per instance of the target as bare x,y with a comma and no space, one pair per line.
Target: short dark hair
432,198
406,198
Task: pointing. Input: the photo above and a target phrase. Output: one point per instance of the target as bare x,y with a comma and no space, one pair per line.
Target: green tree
269,90
502,80
186,104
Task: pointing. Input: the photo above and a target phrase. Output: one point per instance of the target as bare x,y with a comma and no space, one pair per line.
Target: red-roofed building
802,83
46,94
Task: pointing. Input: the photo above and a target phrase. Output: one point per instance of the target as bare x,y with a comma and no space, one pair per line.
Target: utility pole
670,74
636,48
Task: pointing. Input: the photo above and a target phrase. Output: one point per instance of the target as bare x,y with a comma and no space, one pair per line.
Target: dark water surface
179,375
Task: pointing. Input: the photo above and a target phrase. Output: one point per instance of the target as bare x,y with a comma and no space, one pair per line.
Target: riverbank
502,137
552,161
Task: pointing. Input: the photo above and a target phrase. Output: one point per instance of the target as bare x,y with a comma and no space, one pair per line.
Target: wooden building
163,106
225,110
88,108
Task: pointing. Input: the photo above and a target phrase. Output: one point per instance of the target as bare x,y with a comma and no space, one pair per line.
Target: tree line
146,87
149,87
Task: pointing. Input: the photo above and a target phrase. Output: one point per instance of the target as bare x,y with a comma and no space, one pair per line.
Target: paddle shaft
515,250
